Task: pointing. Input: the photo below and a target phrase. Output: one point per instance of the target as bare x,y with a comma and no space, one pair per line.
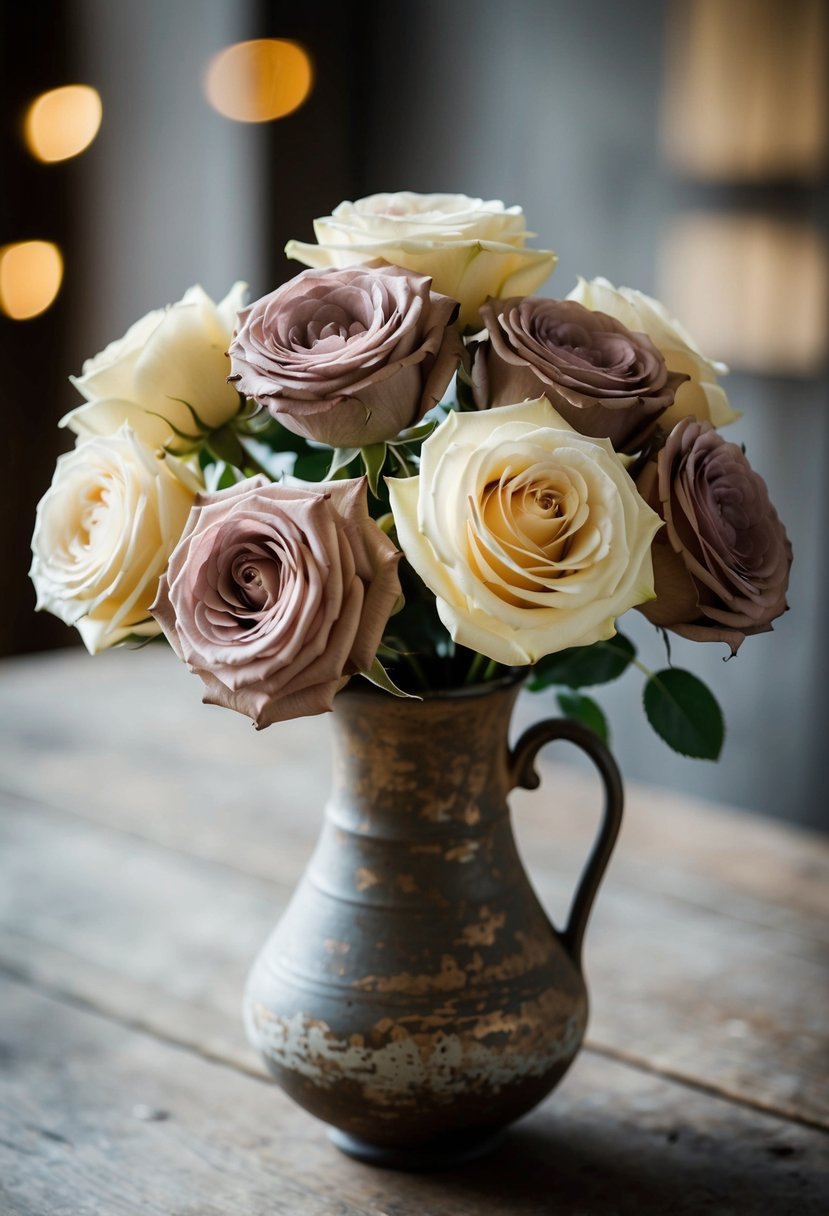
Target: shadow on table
586,1171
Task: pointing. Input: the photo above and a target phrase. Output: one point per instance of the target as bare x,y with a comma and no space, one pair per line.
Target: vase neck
407,767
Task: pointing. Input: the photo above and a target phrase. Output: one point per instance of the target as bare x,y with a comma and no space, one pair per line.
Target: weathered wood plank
78,1138
164,940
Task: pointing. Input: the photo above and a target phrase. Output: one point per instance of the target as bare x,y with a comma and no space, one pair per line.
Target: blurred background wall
679,148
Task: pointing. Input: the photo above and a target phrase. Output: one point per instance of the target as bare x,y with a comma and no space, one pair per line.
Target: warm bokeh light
30,278
747,89
258,81
752,289
62,122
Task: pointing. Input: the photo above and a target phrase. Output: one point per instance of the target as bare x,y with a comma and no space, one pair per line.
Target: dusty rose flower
721,563
700,395
348,357
606,381
275,596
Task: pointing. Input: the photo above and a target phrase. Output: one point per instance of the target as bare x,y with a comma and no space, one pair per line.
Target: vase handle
522,769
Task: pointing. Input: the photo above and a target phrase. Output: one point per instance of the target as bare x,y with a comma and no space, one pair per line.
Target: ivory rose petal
103,534
104,415
532,537
470,247
172,358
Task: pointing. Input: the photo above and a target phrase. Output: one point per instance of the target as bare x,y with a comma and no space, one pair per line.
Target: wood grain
147,846
99,1120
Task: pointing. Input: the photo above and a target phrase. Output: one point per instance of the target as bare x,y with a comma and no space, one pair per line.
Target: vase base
452,1151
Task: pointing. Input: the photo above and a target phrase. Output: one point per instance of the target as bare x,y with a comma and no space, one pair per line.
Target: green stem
646,671
252,465
480,666
417,669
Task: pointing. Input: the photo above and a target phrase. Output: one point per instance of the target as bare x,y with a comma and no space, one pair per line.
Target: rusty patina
415,995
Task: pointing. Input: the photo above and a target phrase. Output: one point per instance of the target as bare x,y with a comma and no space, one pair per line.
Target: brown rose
275,596
606,381
348,357
721,563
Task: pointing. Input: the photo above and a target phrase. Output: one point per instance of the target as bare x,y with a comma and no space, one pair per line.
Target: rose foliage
404,465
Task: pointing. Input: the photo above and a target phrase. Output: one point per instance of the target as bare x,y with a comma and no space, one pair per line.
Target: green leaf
219,476
417,628
224,445
463,390
200,423
280,439
582,666
374,457
414,434
229,476
378,676
585,710
260,458
179,434
389,652
248,411
340,459
312,464
684,713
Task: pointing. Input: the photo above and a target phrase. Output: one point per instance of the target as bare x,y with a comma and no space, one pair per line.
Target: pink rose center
258,578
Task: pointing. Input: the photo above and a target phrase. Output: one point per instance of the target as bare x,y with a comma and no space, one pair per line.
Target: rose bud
606,381
275,596
348,357
721,563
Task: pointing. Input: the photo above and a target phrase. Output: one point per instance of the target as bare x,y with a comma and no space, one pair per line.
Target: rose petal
276,594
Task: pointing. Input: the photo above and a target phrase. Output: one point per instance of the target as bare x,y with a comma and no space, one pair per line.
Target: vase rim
510,679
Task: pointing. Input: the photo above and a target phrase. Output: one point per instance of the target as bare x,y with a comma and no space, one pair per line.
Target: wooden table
148,846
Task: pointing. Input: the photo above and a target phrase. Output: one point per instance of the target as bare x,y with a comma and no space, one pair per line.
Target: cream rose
532,537
700,396
171,356
471,248
103,534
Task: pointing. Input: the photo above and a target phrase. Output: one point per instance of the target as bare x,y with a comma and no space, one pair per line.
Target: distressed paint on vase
415,995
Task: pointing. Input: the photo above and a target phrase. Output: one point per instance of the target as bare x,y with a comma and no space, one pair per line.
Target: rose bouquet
404,466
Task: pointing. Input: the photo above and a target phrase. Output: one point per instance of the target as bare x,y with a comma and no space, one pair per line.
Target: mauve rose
348,357
606,381
275,596
721,563
700,396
